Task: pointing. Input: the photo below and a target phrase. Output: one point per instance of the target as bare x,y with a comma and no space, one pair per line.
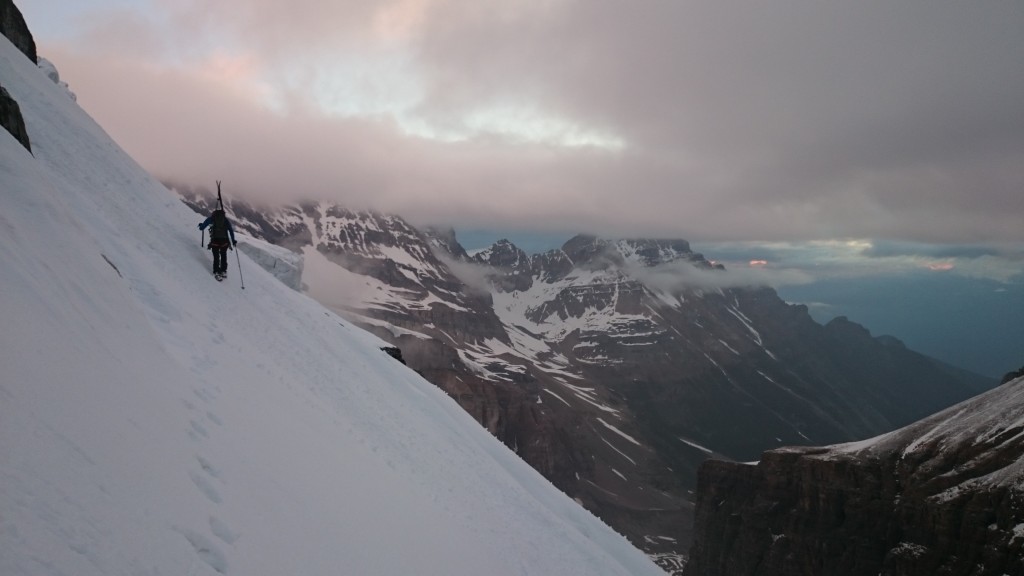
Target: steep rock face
614,367
13,26
513,268
11,119
942,496
551,266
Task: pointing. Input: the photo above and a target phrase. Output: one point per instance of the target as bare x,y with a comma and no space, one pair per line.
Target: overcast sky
740,120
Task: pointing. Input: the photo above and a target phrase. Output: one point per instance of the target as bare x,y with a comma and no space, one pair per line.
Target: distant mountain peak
653,252
593,252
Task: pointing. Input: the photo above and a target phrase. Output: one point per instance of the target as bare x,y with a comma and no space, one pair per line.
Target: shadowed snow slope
155,421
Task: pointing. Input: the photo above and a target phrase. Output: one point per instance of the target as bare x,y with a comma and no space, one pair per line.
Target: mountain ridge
944,495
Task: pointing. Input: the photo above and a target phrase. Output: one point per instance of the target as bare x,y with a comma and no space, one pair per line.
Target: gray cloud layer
746,120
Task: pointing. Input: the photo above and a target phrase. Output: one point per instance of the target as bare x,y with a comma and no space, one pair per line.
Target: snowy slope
975,435
153,421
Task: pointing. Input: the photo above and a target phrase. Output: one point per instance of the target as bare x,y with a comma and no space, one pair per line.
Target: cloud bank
791,120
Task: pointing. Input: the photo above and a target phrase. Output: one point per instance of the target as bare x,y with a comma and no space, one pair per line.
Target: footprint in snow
212,471
206,487
203,394
197,431
207,550
222,530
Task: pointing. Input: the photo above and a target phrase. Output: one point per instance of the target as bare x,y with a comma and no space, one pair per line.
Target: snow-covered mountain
614,367
944,495
155,421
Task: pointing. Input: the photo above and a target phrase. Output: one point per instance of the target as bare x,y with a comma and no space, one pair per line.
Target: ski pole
239,260
202,237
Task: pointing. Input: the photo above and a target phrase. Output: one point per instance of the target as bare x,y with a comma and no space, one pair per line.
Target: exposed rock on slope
11,119
13,26
942,496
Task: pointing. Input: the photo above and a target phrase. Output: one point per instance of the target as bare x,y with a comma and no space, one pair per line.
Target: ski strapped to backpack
220,201
219,222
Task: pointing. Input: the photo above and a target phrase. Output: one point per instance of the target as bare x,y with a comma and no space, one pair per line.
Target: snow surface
155,421
693,444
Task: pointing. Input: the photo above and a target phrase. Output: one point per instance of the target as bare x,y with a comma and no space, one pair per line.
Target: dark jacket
231,230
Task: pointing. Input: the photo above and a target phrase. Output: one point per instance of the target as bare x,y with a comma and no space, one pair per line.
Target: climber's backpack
218,227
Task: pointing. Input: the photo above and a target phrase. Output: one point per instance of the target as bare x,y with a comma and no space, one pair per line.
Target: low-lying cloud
477,277
677,276
868,258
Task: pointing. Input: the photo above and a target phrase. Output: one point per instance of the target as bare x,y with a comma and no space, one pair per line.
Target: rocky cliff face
11,119
13,26
614,367
942,496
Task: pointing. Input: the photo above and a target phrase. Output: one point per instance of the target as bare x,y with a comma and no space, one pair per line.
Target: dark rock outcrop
395,352
944,496
1012,375
11,119
513,269
13,26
